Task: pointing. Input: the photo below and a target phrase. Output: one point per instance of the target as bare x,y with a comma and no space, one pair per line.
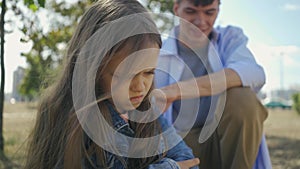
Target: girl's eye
150,72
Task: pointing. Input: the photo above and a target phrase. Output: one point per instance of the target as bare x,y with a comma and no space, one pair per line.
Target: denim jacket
179,151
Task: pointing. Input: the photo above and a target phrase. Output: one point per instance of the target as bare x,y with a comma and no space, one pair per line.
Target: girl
98,114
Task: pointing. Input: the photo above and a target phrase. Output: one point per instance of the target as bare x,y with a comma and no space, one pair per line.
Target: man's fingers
192,162
158,98
189,163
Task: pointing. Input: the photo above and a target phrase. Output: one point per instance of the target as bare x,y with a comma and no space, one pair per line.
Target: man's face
201,18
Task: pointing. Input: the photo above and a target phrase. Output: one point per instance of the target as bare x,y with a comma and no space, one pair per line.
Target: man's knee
243,105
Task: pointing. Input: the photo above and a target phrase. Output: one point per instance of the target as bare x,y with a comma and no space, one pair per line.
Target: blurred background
36,36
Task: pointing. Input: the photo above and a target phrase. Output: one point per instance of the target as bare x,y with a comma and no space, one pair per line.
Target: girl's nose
137,84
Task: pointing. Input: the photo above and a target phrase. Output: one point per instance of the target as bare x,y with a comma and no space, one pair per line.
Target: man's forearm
206,85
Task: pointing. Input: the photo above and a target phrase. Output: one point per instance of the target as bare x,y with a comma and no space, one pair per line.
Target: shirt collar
214,35
170,47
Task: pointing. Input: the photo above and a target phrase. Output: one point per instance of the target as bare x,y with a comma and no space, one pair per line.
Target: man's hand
188,163
165,96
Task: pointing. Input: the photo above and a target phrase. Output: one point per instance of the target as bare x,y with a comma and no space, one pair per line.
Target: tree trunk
2,22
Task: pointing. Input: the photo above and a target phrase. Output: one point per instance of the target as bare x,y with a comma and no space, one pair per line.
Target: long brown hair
58,140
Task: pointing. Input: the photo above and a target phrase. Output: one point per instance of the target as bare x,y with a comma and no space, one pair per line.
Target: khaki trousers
234,144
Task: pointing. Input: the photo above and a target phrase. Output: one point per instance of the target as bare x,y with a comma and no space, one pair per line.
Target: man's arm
235,54
240,69
207,85
210,84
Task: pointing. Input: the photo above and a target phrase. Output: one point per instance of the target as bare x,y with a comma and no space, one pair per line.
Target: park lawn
282,129
18,120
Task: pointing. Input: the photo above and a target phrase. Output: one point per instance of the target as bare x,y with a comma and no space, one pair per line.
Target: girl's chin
136,105
130,107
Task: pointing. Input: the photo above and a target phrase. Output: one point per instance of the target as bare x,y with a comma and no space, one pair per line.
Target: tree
296,104
160,5
49,45
2,41
2,22
165,17
49,42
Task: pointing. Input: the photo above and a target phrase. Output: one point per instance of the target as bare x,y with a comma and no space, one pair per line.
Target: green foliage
296,100
161,5
41,3
49,45
49,42
34,5
35,75
165,17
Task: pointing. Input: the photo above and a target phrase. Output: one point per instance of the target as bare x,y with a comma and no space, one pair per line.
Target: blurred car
278,103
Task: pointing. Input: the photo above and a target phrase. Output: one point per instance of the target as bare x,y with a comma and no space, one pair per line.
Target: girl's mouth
136,99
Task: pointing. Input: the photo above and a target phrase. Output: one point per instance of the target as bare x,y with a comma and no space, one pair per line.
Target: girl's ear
175,8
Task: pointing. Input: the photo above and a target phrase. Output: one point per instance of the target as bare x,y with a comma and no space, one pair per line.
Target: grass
282,129
18,120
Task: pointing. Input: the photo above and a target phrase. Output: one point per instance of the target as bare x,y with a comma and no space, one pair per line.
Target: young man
223,66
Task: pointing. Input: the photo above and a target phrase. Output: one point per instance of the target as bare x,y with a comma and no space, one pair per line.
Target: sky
271,26
273,31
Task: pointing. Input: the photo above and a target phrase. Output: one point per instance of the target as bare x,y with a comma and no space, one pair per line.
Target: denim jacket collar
118,123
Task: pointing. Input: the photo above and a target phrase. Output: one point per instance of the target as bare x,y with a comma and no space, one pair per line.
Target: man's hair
199,2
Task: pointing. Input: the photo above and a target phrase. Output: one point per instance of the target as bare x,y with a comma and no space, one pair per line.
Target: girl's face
129,77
